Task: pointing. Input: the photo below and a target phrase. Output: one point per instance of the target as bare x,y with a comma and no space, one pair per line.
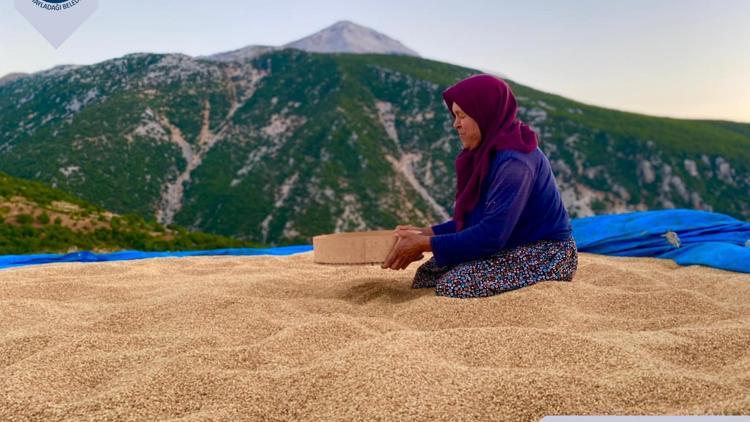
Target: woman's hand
408,248
424,231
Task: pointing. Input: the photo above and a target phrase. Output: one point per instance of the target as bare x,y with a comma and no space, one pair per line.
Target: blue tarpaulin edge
689,237
7,261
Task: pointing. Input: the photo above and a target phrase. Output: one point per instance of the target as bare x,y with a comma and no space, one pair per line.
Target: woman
510,228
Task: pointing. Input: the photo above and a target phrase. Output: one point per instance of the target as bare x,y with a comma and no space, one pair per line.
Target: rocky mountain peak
341,37
348,37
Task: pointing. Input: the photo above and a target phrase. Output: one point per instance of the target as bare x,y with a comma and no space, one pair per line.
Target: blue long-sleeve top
520,203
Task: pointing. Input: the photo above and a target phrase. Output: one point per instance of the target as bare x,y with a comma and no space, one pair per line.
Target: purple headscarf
489,101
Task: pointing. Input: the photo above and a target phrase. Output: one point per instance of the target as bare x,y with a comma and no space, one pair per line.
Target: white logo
56,19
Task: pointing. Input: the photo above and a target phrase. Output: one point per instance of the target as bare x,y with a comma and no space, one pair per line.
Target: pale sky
677,58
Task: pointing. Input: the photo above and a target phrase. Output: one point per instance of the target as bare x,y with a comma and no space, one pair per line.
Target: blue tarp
7,261
686,236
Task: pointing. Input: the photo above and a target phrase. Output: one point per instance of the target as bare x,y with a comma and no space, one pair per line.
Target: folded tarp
7,261
688,237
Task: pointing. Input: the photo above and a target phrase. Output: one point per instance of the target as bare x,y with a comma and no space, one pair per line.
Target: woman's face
467,128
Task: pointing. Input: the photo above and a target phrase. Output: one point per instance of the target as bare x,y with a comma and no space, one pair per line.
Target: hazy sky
680,58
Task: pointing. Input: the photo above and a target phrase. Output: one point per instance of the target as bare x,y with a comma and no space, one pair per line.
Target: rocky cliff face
289,144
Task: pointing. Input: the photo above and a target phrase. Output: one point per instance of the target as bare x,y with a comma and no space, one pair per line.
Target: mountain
341,37
348,37
290,144
241,54
10,77
37,218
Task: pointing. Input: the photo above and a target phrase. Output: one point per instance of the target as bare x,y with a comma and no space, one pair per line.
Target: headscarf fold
490,102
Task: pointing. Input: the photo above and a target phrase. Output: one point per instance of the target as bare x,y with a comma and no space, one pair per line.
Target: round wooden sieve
368,247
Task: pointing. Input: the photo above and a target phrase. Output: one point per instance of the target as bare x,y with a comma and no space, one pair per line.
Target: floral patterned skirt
508,269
